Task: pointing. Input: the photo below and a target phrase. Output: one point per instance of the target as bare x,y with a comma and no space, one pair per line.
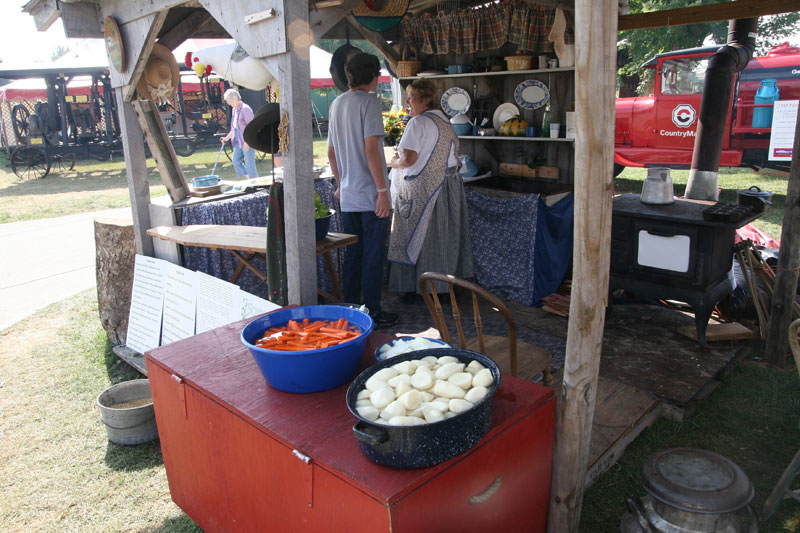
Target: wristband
383,190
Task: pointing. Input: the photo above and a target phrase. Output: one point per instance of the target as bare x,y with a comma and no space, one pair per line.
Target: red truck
659,130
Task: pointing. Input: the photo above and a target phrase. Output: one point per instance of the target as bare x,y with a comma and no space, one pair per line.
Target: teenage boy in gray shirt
355,152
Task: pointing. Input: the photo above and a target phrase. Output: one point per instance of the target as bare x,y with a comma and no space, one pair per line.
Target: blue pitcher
767,93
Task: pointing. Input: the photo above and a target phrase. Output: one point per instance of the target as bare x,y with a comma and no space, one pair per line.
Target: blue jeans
364,261
244,162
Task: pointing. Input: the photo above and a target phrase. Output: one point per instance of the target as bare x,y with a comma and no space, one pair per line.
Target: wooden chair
503,350
782,490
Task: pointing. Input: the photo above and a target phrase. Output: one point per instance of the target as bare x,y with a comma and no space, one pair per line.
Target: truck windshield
683,76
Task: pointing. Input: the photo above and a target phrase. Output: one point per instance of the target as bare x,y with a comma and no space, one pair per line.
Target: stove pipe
721,70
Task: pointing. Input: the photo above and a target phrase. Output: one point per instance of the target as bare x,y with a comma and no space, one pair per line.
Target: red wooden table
242,456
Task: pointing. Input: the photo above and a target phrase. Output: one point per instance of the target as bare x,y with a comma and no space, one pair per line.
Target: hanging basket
407,68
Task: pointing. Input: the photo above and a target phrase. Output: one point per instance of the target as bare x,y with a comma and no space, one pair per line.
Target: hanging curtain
486,28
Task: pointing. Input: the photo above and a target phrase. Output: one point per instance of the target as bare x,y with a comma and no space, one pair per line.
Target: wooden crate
240,455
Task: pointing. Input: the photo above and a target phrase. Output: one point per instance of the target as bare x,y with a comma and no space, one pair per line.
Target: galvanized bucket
128,425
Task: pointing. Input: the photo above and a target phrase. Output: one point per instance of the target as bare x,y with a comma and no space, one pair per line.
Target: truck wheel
618,169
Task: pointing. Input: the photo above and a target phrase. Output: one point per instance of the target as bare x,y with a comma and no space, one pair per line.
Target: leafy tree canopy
639,46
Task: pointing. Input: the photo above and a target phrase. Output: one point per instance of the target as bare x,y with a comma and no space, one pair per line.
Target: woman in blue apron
430,228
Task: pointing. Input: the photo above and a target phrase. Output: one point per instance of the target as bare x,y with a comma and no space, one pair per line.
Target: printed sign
784,120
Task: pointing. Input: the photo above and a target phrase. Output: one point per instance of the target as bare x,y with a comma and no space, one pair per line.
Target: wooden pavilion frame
279,32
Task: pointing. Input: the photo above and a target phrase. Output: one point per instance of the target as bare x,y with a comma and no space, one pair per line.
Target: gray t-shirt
355,116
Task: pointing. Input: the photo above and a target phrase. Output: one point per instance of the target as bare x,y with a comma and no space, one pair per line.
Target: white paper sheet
253,305
784,120
218,302
147,299
180,297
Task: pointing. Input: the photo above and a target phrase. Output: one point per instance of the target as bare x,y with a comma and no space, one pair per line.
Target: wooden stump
116,253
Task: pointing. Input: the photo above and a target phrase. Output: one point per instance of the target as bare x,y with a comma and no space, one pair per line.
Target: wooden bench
246,242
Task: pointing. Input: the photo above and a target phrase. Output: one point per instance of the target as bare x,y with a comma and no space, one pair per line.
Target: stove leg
702,313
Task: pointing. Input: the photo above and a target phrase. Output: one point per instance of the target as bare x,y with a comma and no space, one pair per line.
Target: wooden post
298,160
136,170
788,264
595,69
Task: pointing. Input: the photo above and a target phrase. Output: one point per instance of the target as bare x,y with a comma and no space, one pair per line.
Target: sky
21,43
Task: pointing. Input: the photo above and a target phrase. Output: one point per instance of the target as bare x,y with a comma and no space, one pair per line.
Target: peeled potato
405,367
395,381
448,369
476,394
422,380
382,397
373,384
448,390
447,359
368,412
431,360
385,374
483,378
395,408
403,388
365,401
458,405
474,367
405,421
432,414
363,394
461,379
411,399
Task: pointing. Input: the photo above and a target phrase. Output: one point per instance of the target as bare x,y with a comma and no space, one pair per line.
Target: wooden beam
125,11
377,40
143,32
595,68
81,20
739,9
261,39
788,264
136,171
44,13
185,29
293,70
322,20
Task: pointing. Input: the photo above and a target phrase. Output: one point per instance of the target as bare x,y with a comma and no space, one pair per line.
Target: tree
58,51
641,45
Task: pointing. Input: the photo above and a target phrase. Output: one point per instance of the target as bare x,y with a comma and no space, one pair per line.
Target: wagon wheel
184,147
19,118
29,162
62,162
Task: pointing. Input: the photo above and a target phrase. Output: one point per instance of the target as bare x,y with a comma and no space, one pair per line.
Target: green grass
730,181
58,472
752,419
94,186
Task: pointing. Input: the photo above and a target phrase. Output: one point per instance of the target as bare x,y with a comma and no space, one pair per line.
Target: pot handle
765,200
636,509
369,438
754,188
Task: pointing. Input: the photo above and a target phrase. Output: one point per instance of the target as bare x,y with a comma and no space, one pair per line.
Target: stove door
665,252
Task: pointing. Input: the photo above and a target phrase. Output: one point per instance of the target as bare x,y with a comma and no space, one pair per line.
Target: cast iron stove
670,252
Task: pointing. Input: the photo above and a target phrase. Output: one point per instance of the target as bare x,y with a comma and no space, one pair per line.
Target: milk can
690,491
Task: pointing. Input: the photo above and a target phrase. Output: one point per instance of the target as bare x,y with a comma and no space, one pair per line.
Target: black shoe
384,319
409,298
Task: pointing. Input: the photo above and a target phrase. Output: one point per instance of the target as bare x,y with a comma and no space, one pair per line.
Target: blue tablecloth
246,210
521,247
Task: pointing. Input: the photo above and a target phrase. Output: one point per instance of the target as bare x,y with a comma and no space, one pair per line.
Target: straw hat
380,15
160,78
262,132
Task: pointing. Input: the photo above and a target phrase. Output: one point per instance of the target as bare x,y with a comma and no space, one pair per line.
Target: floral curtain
482,29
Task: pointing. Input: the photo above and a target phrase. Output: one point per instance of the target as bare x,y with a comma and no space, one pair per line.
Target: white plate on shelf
455,100
503,113
531,94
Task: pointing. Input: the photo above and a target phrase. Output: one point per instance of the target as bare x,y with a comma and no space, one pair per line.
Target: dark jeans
364,261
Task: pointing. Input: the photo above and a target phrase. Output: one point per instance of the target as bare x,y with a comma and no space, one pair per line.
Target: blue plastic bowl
391,342
309,370
205,181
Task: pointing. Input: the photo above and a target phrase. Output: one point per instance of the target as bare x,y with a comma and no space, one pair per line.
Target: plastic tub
309,370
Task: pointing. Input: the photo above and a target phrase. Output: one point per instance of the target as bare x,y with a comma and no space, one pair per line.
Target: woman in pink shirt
244,157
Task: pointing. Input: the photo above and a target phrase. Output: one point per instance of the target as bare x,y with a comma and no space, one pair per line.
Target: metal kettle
657,187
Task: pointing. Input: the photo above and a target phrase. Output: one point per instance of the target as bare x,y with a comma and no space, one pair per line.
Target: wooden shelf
508,138
493,73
